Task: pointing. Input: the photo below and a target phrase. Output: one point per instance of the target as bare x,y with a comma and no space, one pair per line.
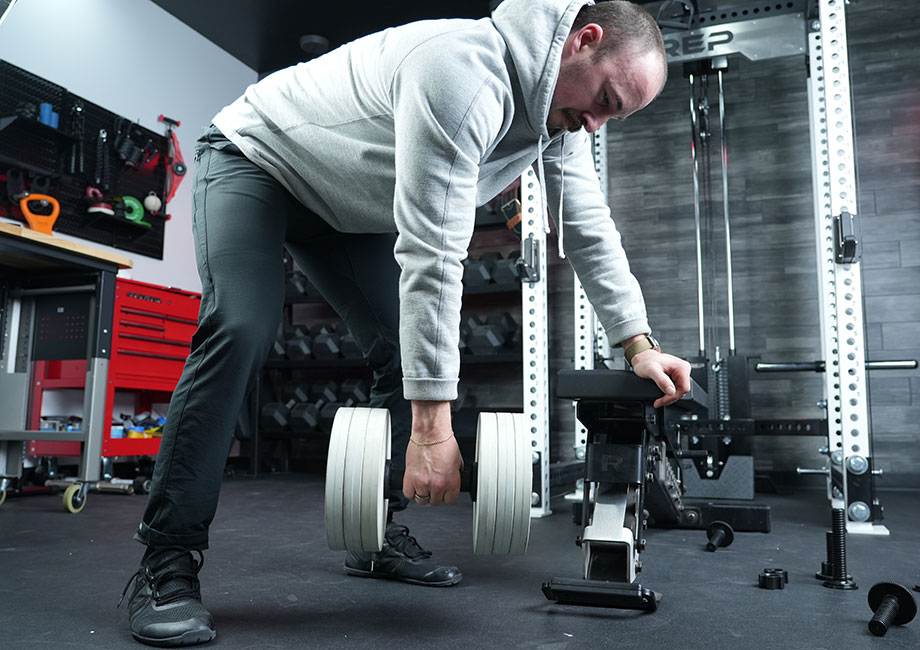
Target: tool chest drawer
151,332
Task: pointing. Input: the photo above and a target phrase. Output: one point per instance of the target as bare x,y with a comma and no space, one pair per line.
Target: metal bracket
529,264
845,242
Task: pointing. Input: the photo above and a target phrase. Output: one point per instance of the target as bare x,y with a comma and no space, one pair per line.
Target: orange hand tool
40,222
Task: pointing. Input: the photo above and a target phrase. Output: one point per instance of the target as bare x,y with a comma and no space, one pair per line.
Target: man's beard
573,121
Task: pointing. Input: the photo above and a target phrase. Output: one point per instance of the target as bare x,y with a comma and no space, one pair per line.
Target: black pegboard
66,158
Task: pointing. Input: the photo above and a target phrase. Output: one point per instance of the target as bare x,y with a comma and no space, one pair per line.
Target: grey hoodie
409,130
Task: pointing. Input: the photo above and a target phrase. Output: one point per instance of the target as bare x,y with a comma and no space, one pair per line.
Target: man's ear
588,36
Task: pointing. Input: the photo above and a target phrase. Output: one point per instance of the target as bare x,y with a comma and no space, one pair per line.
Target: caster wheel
72,499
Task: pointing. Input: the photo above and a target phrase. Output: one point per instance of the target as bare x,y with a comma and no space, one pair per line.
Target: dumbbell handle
393,478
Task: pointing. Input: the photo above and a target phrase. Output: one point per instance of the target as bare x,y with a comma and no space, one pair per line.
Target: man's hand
433,461
670,373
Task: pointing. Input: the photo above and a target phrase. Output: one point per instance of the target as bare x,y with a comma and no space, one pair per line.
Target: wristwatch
648,342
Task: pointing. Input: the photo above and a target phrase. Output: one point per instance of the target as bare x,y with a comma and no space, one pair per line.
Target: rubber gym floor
271,582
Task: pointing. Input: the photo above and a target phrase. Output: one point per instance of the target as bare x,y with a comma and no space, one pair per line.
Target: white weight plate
504,502
335,479
374,495
522,488
486,488
354,470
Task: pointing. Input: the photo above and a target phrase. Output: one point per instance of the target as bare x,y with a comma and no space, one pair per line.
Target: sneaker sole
193,637
360,573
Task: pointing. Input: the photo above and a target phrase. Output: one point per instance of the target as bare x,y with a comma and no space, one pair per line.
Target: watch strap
647,342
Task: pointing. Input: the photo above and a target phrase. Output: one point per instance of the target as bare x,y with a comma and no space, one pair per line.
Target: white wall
135,59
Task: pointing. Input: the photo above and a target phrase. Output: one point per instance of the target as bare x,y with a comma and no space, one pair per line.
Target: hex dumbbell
298,347
297,285
327,346
492,336
298,391
359,479
476,272
275,416
356,390
304,418
505,271
324,392
348,346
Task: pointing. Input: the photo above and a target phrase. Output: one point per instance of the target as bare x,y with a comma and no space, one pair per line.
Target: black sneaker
401,558
164,606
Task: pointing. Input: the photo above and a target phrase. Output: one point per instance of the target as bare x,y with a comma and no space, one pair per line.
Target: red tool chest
152,330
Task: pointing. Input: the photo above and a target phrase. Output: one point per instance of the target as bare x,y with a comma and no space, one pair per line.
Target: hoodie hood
537,66
537,50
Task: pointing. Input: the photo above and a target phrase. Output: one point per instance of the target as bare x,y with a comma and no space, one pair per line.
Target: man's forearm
430,420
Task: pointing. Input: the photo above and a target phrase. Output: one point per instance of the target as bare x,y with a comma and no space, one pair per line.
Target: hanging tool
175,164
134,211
103,174
78,129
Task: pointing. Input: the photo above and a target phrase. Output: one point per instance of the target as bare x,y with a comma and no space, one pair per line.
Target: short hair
628,30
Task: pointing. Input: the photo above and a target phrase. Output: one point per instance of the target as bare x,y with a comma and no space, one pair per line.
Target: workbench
56,302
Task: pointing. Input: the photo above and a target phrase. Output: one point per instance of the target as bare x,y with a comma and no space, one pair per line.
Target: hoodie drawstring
561,192
542,173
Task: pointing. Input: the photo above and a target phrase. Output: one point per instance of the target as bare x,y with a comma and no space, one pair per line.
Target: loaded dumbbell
359,479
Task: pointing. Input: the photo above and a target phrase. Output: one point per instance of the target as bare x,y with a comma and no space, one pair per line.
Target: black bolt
893,604
719,534
839,579
827,566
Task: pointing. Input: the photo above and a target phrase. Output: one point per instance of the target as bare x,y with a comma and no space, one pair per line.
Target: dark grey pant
242,218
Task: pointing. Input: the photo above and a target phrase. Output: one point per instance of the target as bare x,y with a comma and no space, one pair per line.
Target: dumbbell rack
533,356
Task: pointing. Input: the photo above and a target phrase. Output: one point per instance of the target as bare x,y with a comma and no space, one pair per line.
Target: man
368,164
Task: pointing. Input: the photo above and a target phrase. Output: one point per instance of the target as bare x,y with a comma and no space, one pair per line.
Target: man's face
589,93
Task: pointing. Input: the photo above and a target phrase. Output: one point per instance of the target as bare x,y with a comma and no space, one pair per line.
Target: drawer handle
151,355
153,314
138,312
138,337
127,323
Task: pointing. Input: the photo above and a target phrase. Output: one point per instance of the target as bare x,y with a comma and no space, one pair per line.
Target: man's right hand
433,460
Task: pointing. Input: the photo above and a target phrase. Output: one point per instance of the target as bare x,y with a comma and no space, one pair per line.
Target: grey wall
772,224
